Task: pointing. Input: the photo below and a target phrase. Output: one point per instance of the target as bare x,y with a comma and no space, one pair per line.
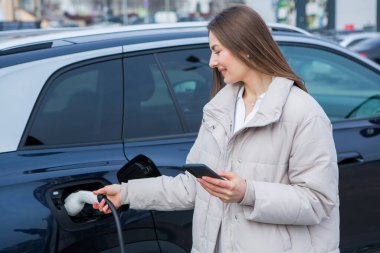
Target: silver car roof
11,40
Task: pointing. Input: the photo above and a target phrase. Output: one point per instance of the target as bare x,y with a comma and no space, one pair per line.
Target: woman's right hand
113,193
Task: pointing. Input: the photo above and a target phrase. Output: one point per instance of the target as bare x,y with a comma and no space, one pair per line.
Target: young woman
272,142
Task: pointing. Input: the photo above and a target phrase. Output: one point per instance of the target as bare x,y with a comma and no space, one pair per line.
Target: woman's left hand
231,190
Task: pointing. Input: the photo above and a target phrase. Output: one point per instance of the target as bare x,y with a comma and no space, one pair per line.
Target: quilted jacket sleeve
164,193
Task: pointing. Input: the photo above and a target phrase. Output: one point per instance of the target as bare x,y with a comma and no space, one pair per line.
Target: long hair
243,32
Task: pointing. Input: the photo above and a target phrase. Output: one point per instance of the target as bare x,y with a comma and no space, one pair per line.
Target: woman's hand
231,190
113,193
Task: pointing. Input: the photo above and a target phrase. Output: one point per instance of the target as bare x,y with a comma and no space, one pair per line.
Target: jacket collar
222,106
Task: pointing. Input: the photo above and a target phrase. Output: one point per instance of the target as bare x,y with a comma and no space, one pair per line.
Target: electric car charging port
56,200
88,213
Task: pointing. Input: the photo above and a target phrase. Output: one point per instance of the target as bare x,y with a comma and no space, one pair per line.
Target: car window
191,79
82,105
344,88
149,108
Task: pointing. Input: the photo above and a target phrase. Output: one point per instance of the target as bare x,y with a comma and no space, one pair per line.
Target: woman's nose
213,62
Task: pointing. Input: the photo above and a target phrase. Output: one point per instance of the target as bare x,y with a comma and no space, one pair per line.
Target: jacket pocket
286,241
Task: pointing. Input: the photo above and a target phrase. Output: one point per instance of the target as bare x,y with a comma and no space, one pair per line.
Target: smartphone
199,170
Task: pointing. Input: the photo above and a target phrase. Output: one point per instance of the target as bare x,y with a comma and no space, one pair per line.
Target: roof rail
276,27
88,31
44,40
34,46
26,48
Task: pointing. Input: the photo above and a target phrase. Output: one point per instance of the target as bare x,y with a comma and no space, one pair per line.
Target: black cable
117,220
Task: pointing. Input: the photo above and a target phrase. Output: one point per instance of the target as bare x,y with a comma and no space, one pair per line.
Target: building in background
357,15
314,15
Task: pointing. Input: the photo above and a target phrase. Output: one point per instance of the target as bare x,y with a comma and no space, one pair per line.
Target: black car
76,106
369,48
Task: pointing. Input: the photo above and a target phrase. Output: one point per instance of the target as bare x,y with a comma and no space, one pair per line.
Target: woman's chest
260,153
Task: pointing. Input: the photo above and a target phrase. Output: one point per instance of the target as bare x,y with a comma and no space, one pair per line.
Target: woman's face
232,68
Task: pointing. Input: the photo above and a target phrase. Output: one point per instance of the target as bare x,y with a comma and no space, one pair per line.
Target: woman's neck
255,85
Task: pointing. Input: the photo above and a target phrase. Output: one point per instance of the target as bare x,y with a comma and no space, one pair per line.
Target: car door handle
350,158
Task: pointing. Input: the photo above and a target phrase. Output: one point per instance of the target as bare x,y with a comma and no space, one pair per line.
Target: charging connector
75,202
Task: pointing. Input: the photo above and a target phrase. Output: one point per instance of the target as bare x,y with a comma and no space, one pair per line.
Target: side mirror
139,167
369,108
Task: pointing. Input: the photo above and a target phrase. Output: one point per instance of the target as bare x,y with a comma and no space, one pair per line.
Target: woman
269,139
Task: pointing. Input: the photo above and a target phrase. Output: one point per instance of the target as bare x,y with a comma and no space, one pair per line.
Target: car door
162,118
349,92
73,141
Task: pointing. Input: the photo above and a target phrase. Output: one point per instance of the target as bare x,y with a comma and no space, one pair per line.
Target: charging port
57,195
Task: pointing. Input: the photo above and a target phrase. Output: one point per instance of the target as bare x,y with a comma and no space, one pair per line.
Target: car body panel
359,170
28,176
169,157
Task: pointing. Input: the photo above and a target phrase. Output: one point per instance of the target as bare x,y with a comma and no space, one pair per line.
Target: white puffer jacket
286,154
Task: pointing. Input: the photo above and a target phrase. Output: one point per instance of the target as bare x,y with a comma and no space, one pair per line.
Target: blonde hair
243,32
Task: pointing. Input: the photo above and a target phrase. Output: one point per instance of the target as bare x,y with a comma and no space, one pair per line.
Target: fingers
219,195
223,194
108,190
214,185
102,207
228,175
112,192
229,191
100,191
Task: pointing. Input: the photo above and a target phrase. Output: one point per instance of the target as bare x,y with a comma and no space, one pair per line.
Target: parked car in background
369,48
76,106
354,38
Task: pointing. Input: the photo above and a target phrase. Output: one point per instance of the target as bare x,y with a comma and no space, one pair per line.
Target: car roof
22,38
31,46
367,44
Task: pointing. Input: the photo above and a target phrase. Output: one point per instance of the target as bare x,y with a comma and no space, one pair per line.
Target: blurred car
76,106
353,39
369,48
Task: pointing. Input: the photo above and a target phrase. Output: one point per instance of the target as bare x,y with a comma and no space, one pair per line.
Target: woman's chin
226,80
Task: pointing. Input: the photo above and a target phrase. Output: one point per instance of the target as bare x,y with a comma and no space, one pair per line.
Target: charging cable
117,220
75,202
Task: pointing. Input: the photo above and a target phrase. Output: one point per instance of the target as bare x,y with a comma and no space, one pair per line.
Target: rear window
82,105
